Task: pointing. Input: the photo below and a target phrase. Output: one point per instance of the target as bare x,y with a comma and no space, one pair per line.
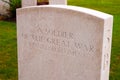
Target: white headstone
60,2
26,3
63,43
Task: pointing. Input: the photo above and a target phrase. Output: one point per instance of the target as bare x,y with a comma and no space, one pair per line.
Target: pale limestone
63,43
26,3
60,2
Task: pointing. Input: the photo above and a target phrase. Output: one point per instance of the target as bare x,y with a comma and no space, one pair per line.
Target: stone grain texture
26,3
58,42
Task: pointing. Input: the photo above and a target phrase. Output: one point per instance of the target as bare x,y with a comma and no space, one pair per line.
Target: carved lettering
57,41
55,33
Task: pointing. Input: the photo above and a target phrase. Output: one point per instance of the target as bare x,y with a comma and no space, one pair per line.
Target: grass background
8,51
8,40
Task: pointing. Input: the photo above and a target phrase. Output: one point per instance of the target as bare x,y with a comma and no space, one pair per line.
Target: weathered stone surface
26,3
63,43
60,2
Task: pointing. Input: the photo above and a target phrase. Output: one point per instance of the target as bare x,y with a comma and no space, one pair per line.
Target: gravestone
26,3
58,2
59,42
